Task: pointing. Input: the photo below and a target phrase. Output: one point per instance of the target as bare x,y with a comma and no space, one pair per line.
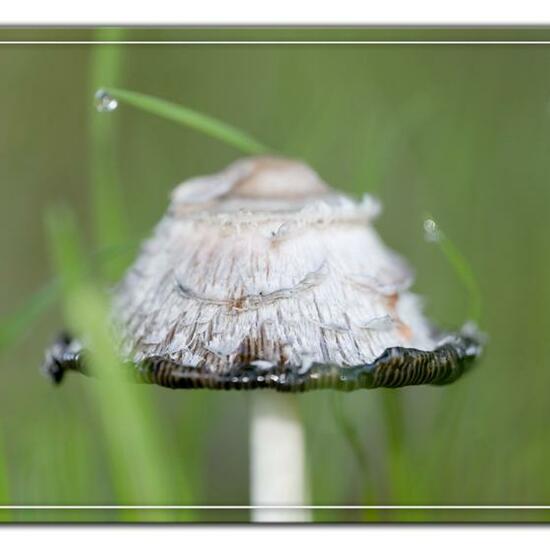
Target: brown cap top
254,179
278,178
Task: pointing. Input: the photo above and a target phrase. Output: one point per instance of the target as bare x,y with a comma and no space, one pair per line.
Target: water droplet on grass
432,233
104,102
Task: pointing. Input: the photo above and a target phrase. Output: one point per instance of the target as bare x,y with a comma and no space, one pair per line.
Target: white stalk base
277,458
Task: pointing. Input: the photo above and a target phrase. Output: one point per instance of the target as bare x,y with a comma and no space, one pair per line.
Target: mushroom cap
264,269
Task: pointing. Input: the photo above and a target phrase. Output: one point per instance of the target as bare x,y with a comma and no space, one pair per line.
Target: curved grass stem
140,471
460,265
109,214
190,118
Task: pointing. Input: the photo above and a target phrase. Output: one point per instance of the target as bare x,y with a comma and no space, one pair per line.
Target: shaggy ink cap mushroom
263,276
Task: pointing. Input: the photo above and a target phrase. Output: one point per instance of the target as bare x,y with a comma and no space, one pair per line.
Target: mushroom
264,277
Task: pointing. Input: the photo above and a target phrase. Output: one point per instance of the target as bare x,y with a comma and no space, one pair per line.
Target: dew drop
432,233
104,102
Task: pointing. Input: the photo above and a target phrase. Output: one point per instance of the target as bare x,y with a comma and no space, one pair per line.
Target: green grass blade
69,260
190,118
109,213
350,432
14,326
394,420
459,264
135,445
466,275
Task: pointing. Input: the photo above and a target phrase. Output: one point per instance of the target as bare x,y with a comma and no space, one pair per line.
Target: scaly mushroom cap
262,276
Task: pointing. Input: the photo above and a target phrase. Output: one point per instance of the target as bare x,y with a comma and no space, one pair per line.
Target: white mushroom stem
277,458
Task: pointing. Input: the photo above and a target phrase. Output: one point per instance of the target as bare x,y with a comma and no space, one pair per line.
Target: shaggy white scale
264,276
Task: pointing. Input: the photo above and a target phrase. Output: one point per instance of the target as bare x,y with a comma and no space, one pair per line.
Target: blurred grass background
459,131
